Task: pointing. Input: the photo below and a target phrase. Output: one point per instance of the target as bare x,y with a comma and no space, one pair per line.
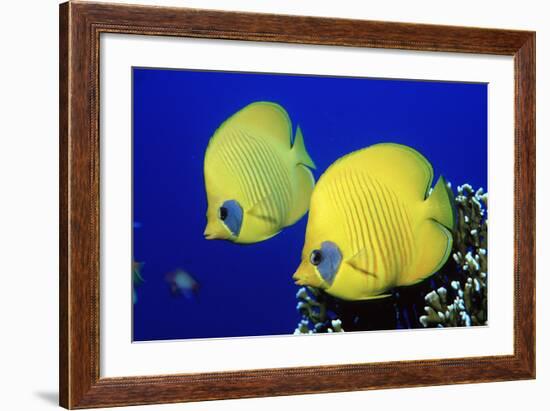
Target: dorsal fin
299,150
399,167
262,119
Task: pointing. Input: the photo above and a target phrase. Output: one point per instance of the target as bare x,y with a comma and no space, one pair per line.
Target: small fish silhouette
137,279
182,283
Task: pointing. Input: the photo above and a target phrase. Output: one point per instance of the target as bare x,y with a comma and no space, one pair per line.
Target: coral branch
316,318
469,305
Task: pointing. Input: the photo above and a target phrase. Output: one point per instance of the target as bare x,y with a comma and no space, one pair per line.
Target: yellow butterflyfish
373,225
257,183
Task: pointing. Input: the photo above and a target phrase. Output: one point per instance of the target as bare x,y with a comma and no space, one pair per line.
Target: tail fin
441,206
301,193
299,150
434,235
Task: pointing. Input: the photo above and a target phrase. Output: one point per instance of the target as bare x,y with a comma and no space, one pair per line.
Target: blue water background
247,290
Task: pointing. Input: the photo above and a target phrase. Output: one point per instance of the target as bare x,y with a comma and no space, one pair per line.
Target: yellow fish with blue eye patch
256,181
373,225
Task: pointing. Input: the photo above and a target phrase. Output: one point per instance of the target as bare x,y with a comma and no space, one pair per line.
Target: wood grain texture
525,204
80,27
63,204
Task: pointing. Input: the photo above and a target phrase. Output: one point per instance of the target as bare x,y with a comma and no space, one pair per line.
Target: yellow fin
434,243
360,261
441,204
408,167
260,210
399,167
299,150
374,297
301,193
265,120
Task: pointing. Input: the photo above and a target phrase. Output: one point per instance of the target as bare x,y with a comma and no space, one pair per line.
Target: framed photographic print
257,205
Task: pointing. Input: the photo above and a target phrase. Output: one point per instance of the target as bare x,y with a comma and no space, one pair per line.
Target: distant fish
137,279
372,225
182,283
256,182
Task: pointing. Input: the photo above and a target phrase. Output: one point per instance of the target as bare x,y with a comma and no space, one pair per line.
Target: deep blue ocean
247,290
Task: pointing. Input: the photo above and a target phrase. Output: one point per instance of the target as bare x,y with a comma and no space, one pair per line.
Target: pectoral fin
360,262
262,211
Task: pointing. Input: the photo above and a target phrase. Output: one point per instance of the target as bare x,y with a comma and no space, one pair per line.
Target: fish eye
230,214
316,257
223,213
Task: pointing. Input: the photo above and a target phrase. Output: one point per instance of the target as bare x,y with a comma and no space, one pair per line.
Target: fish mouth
214,236
298,280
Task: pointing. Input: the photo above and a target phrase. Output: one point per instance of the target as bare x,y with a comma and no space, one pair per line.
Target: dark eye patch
231,215
330,261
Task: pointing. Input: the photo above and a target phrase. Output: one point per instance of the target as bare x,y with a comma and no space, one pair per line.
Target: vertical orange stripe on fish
377,233
397,246
270,170
366,242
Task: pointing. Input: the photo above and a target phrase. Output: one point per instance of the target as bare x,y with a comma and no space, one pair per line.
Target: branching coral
316,317
465,303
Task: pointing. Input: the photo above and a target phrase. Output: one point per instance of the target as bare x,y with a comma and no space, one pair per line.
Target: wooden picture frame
80,27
